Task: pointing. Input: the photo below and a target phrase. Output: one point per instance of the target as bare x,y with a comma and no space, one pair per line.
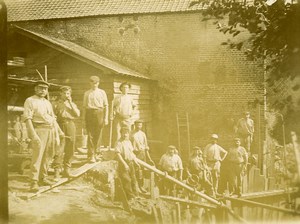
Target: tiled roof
24,10
81,53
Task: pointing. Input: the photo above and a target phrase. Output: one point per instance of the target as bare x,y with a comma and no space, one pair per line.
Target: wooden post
178,211
297,153
152,186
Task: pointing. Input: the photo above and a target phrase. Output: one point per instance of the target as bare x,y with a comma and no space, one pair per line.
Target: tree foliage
274,28
274,38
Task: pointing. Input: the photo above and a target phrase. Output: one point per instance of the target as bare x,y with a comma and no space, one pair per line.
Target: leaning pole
190,189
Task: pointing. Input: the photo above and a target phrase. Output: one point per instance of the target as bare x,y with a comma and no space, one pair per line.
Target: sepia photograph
149,111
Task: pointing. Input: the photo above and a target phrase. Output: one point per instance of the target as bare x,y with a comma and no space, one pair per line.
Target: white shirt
95,99
123,106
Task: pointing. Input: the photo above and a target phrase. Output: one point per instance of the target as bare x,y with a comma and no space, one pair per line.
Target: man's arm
224,152
123,161
74,108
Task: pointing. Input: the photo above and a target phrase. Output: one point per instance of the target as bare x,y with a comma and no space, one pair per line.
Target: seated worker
171,163
141,149
127,161
198,167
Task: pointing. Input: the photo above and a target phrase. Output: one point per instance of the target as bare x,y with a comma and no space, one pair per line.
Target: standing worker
213,155
245,130
237,159
141,149
44,133
66,111
123,110
95,114
127,163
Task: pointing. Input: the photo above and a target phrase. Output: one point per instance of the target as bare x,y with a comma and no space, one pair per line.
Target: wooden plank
76,173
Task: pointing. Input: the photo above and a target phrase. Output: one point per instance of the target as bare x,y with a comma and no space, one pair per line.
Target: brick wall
195,72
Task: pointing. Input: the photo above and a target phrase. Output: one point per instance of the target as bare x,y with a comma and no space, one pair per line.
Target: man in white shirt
123,110
44,133
95,114
171,163
213,155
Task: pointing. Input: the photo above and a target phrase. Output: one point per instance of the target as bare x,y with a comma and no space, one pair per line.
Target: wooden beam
190,189
258,204
188,202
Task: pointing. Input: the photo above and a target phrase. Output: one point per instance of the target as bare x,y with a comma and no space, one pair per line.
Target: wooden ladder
183,131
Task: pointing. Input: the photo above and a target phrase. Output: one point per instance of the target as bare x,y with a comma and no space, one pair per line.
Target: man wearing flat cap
245,130
95,114
237,159
44,133
214,155
171,163
66,111
198,167
127,163
123,110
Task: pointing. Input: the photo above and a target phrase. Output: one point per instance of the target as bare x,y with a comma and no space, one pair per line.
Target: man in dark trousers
95,113
127,163
44,133
66,111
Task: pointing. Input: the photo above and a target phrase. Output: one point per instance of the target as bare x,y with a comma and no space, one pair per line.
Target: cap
42,83
196,148
139,121
125,129
247,112
123,84
215,136
94,78
65,88
237,139
171,147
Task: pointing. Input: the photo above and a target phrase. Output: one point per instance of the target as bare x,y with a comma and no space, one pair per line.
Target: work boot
46,182
56,175
34,187
66,173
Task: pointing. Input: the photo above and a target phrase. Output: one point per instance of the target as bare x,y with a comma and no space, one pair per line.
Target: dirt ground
71,203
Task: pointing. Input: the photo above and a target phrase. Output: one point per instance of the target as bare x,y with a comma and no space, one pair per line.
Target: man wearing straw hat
95,114
44,133
123,111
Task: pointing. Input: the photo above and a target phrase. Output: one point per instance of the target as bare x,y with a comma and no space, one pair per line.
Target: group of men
52,129
204,168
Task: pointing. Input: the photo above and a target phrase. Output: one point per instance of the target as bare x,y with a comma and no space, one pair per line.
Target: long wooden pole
258,204
193,190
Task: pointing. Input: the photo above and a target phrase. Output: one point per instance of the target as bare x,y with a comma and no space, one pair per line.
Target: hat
125,129
196,148
123,84
247,112
139,121
237,139
94,78
215,136
171,147
41,83
65,88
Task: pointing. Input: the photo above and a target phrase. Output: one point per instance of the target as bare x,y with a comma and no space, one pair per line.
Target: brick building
163,40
